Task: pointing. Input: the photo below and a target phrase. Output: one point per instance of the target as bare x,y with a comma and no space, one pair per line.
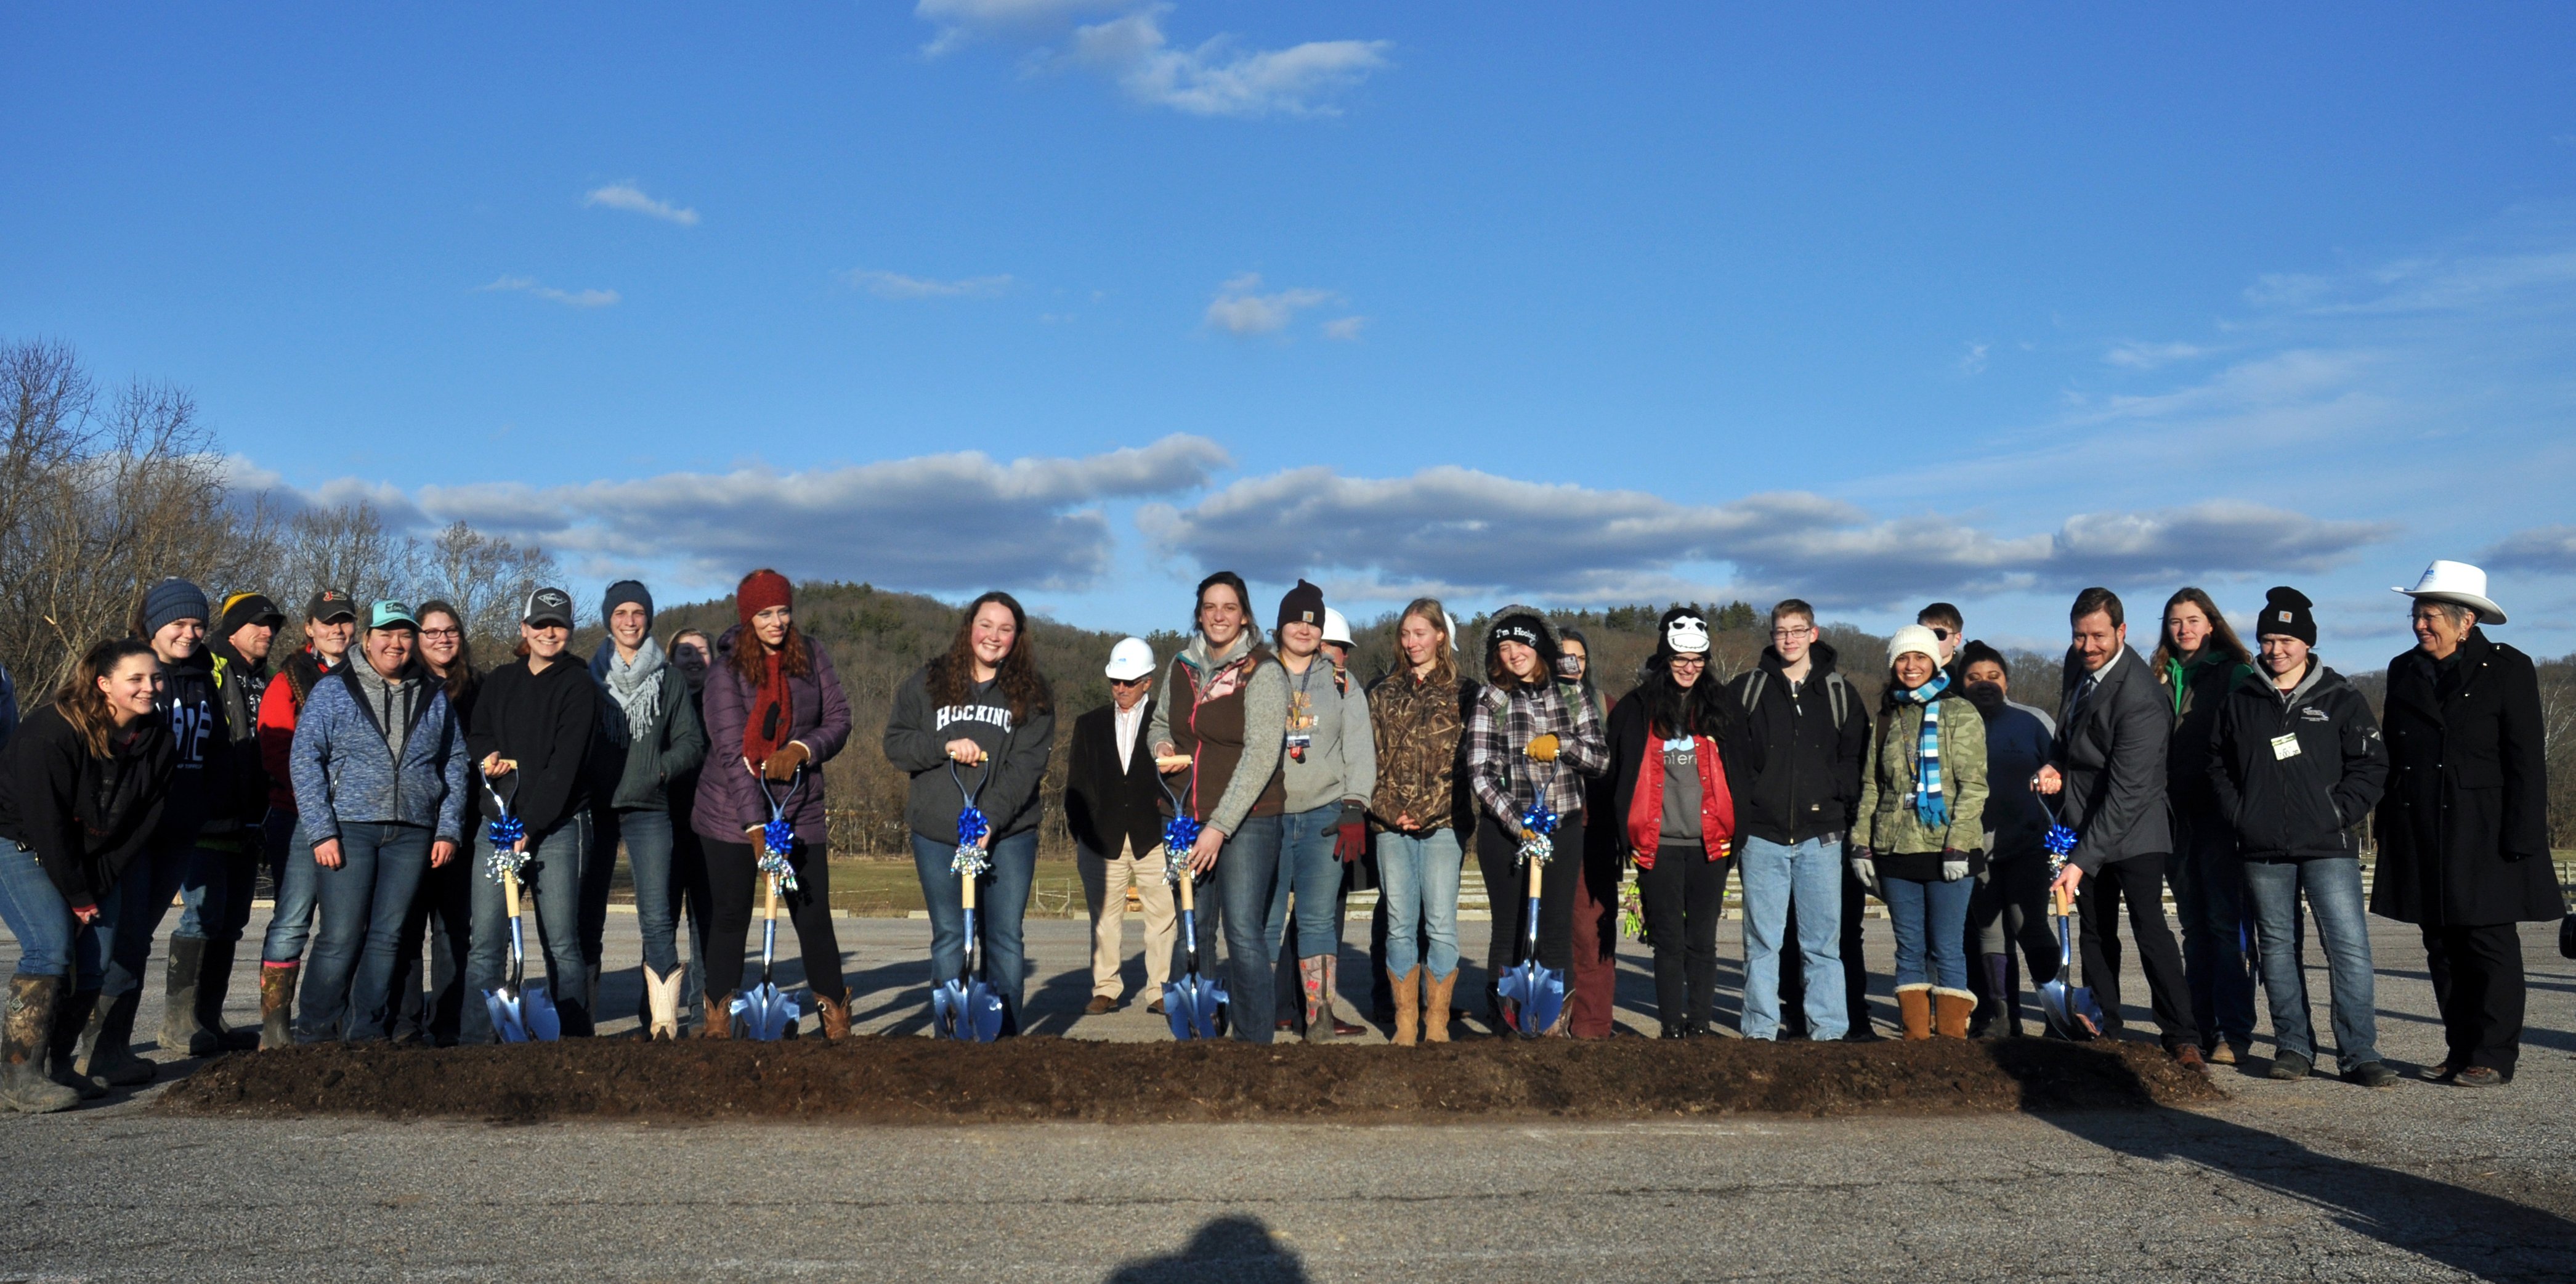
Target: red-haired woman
775,712
980,714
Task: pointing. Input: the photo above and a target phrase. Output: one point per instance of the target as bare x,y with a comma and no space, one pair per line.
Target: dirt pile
914,1080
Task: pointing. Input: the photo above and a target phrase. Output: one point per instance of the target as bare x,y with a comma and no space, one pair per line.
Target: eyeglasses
1798,632
441,635
1690,662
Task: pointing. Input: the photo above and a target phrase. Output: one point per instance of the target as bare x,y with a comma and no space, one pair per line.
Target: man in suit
2107,768
1110,792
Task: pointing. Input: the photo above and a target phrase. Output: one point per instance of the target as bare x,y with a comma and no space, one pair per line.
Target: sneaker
2290,1067
2479,1077
2370,1074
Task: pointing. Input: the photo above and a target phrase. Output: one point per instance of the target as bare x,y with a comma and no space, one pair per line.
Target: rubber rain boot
104,1051
71,1016
26,1035
277,1005
214,982
180,1032
1319,1001
1408,1007
1435,1008
1914,1008
1950,1009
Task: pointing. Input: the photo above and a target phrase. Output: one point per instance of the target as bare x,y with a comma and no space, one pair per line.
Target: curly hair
952,675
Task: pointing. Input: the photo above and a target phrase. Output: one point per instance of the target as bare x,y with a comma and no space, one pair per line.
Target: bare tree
486,578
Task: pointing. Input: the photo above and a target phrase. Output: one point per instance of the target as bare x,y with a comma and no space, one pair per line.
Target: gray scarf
635,685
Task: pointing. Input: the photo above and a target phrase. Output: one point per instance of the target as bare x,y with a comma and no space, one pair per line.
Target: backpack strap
1839,693
1753,684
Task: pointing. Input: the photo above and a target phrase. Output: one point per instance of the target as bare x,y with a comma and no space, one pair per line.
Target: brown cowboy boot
1408,1005
719,1018
836,1016
1435,1008
277,1005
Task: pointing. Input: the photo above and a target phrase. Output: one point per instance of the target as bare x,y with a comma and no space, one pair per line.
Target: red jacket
279,707
1646,802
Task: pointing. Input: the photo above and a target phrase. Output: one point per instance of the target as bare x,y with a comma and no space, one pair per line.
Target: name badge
1298,741
2285,747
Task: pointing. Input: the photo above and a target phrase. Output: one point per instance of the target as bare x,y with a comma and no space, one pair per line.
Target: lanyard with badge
1301,714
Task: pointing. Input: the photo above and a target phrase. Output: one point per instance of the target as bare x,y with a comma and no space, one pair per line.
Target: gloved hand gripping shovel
1535,991
1194,1004
765,1012
520,1011
2071,1010
964,1007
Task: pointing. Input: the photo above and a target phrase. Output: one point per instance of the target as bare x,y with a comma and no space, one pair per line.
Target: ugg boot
1950,1009
26,1034
1914,1008
179,1030
1319,1000
214,982
836,1016
1435,1008
1408,1006
719,1017
104,1051
277,1005
71,1016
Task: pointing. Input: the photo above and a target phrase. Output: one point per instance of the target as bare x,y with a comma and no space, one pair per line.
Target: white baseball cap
1131,659
1337,629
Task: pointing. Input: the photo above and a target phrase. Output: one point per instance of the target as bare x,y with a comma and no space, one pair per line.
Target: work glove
1541,748
782,765
1954,865
1864,869
1351,833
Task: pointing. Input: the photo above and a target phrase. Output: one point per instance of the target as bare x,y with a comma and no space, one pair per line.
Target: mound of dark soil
915,1080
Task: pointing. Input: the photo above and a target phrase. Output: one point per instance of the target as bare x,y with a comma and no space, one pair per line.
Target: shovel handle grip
769,910
510,893
2061,903
1534,880
1188,899
966,890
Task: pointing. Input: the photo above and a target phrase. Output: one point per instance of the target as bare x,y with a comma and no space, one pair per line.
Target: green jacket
1887,820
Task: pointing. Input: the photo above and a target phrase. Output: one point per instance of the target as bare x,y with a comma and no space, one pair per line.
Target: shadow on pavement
1234,1248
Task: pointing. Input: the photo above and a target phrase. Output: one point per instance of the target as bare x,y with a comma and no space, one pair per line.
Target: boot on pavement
1435,1008
26,1033
1914,1009
836,1016
1319,1000
1408,1006
719,1017
71,1016
214,982
1950,1009
105,1051
277,1005
179,1030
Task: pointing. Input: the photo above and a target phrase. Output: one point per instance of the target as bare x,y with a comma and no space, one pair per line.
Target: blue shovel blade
983,1013
505,1015
965,1010
1195,1006
537,1008
1537,994
765,1013
947,1005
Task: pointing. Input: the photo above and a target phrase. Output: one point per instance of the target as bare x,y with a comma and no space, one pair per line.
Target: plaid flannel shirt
1505,782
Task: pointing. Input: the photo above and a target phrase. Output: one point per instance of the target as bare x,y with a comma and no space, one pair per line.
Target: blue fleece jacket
344,772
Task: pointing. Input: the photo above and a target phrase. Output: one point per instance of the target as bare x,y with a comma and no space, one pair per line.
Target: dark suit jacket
1106,800
2112,753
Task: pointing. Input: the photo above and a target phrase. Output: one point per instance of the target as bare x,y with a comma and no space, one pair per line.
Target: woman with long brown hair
775,714
81,789
980,715
2198,659
1418,714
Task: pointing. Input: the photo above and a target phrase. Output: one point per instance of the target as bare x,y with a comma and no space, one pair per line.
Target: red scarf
773,710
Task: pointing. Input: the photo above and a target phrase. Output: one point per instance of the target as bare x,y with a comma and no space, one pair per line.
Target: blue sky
1582,304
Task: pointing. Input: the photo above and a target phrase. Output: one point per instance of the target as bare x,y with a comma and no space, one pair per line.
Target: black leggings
733,890
1498,857
1681,894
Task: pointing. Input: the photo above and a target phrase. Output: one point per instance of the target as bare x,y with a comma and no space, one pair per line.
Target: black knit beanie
1303,604
2286,612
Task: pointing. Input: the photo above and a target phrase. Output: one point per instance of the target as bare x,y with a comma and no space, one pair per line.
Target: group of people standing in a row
362,770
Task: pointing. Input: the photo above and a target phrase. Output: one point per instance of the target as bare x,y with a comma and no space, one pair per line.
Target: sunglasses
1129,682
1940,634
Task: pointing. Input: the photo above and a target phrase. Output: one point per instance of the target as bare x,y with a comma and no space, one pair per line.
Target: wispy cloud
1240,309
568,298
2133,355
2550,550
632,199
896,285
1216,77
1345,329
1973,361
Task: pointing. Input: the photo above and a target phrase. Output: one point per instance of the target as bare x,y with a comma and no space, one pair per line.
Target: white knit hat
1916,638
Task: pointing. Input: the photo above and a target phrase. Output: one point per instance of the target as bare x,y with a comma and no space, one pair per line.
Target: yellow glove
1542,748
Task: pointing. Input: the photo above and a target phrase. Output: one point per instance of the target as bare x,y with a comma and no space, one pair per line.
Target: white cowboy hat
2460,583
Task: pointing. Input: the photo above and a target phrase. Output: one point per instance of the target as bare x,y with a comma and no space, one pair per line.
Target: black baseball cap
330,604
548,606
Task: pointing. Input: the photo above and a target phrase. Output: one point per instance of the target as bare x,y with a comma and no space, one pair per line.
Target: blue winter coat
343,772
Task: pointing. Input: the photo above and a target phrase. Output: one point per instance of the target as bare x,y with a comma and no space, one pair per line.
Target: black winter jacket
548,723
204,789
85,817
2464,830
2305,805
1804,768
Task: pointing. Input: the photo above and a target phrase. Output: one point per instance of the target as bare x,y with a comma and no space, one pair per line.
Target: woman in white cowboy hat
2464,827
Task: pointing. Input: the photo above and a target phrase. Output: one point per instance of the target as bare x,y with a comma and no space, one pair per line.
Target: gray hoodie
1265,708
1340,759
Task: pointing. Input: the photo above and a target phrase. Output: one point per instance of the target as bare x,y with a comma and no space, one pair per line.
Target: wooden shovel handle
1189,904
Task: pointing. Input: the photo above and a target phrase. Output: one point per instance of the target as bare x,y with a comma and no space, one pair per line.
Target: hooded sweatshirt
369,750
1337,759
1805,766
547,723
1006,784
1233,722
84,817
241,684
203,790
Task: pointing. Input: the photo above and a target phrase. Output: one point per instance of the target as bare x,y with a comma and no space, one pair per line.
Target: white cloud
1212,78
1478,535
1973,361
895,285
1238,310
1345,329
2550,550
568,298
938,522
2134,355
627,196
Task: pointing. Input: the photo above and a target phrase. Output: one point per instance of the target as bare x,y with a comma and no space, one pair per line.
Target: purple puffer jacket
729,800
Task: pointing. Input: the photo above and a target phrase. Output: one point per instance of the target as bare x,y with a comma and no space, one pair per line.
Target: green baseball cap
390,614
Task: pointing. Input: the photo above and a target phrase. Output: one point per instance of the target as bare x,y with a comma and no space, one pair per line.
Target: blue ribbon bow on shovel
2071,1010
964,1006
1535,991
520,1011
1194,1004
764,1011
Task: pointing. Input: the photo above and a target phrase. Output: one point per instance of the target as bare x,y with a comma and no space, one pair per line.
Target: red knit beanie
761,590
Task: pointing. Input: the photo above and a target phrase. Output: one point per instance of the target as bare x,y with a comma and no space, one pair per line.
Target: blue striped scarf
1929,805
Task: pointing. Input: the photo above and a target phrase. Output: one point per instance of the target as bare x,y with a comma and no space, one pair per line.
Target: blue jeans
50,941
290,922
1308,868
1418,877
363,905
1001,902
1939,908
215,892
1246,879
647,835
1810,874
143,894
2334,896
553,873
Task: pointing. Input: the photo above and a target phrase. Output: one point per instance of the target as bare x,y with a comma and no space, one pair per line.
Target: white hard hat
1337,629
1131,659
